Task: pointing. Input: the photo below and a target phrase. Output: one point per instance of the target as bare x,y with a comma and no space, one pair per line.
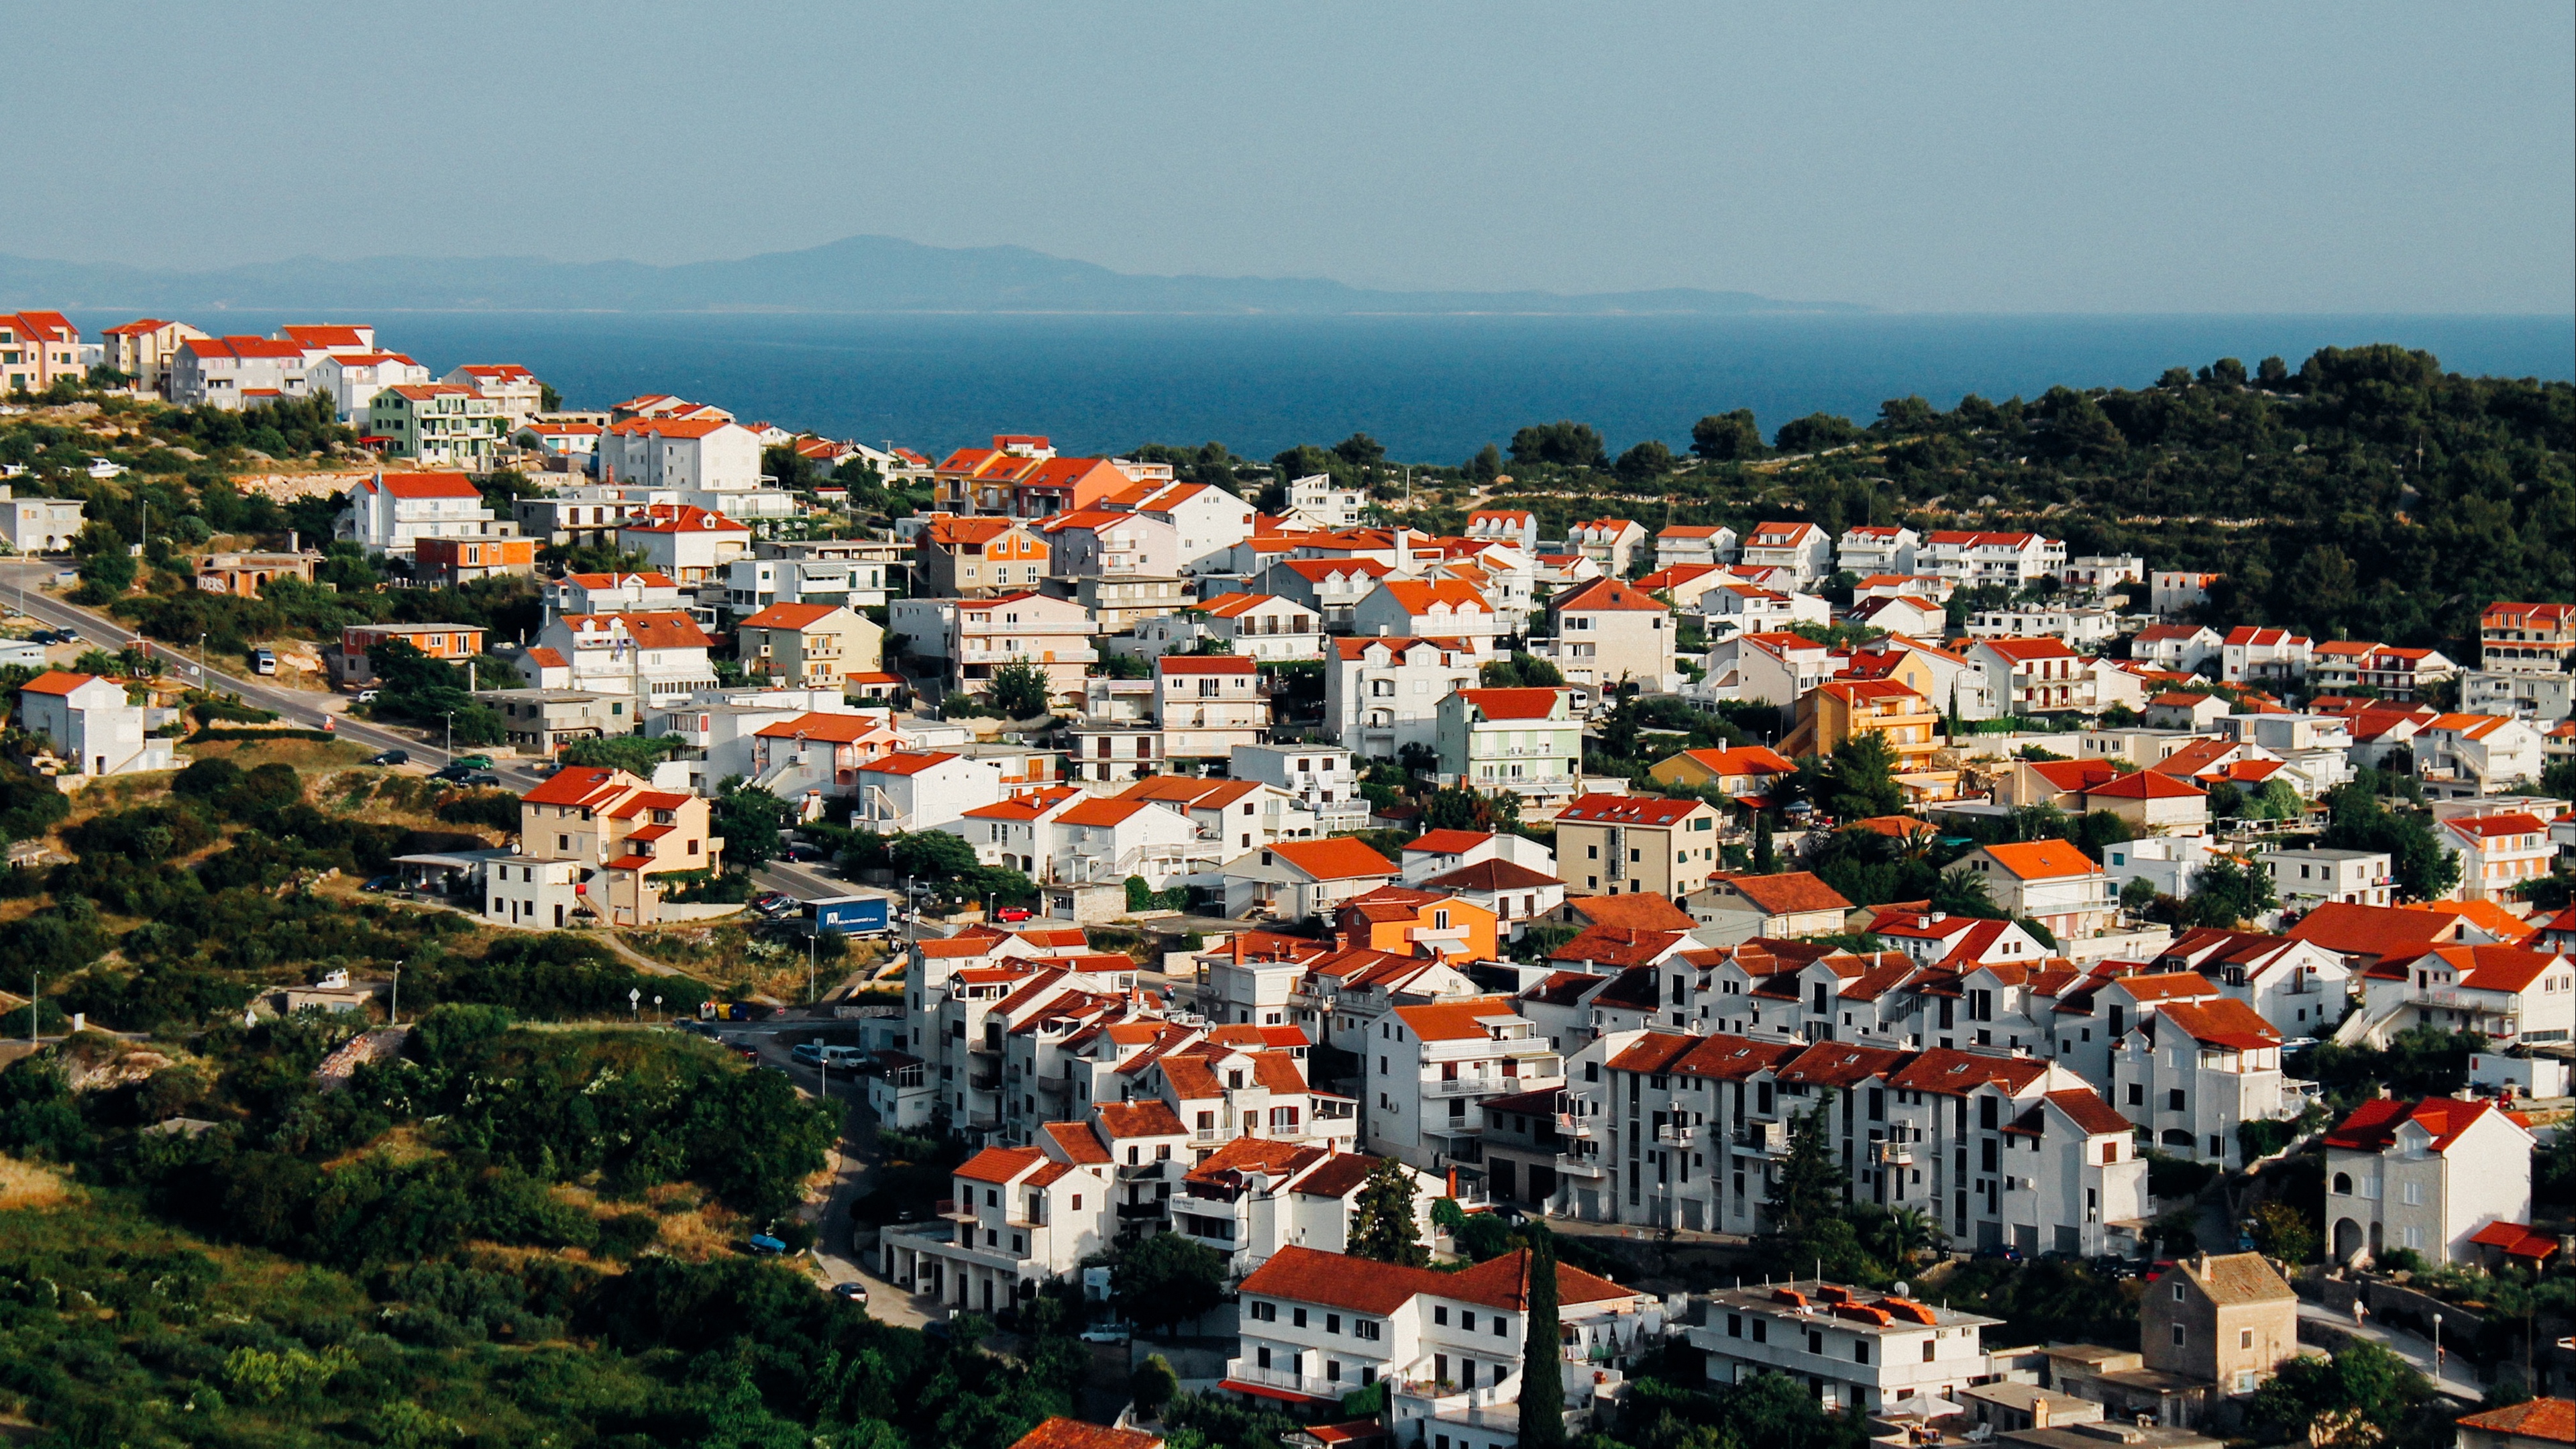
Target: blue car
763,1245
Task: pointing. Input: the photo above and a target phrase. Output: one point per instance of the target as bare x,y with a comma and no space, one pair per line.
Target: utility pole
396,1013
449,747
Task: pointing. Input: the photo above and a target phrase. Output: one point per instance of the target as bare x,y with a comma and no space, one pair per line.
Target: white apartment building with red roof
2339,666
90,725
2425,1176
1425,609
655,659
1426,1070
809,755
1016,833
1803,548
1209,521
2465,756
921,790
389,513
1111,543
622,592
2193,1071
1206,704
1971,559
1382,694
1291,880
1696,543
1317,1326
2498,853
1610,542
517,392
237,372
2031,676
705,454
2183,647
2263,656
1877,548
2509,994
685,541
1515,526
352,380
1254,626
2527,638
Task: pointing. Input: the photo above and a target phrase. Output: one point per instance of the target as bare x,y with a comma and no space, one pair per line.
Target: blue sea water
1432,389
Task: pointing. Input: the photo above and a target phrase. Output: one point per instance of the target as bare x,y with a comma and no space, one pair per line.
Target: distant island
859,274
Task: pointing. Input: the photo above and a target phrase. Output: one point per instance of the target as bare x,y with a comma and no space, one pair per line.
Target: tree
1566,444
1810,1186
1815,433
1864,778
1960,894
1152,1385
106,575
2364,1387
1727,437
2282,1231
1361,451
1384,1225
748,819
1161,1280
1022,690
1644,463
1542,1373
2226,891
1486,466
2360,820
1455,807
936,858
1765,861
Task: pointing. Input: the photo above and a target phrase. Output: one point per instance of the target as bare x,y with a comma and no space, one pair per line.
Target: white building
2193,1071
2424,1176
1208,520
39,525
1426,609
1324,777
683,540
2299,987
1711,544
237,372
352,381
1426,1070
2509,995
1319,502
1112,544
2264,657
391,512
1383,694
921,790
710,455
1316,1326
1857,1350
1867,549
1522,741
1801,547
1255,626
655,659
1515,526
514,389
2013,560
2049,881
2461,756
2304,878
90,725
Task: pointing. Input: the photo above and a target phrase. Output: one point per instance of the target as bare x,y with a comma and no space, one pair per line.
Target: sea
1429,389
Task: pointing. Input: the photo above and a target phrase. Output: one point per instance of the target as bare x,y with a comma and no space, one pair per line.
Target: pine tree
1542,1376
1764,861
1383,1225
1809,1188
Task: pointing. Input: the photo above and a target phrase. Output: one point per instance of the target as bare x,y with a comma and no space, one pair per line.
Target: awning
1267,1392
1920,1406
2517,1240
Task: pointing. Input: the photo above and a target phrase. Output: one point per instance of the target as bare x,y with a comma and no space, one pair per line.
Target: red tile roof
2373,1125
2225,1022
2378,931
55,681
1607,594
1514,703
2042,859
998,1164
1059,1432
2090,1113
1789,892
1638,911
1337,858
1628,810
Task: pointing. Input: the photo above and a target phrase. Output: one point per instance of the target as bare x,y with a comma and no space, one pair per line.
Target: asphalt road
23,579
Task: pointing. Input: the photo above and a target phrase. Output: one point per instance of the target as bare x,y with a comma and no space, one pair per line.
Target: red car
1011,915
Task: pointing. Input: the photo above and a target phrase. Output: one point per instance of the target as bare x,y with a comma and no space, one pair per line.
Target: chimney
2039,1411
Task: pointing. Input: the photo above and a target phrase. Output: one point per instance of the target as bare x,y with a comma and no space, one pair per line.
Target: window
2177,1299
1466,1320
1265,1312
2177,1333
1440,1315
1815,1341
1735,1325
1366,1328
1927,1350
2244,1338
1860,1350
1332,1323
1300,1317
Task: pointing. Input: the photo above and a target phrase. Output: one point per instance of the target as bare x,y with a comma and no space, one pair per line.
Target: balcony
1569,1125
1137,1212
1677,1134
1765,1137
1243,1371
1486,1085
1893,1154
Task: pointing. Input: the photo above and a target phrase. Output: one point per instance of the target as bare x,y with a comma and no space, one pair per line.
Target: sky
2169,157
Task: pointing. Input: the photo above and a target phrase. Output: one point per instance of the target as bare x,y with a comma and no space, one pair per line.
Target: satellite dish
1902,1290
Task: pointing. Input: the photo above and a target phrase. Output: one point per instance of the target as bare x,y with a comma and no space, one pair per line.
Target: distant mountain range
855,274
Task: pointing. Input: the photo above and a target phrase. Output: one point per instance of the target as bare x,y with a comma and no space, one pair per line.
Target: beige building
1608,845
625,832
2228,1320
809,644
142,350
1608,633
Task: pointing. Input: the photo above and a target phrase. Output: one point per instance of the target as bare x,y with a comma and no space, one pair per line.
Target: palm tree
1911,1233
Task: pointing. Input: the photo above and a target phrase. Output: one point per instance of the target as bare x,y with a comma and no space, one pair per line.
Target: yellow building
1832,714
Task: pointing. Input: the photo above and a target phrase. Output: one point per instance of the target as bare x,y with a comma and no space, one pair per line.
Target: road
303,707
834,1259
2456,1378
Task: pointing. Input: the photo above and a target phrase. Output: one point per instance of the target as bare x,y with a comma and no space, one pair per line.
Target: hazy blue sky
2161,157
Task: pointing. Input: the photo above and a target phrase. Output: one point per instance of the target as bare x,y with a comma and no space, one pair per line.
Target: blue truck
862,915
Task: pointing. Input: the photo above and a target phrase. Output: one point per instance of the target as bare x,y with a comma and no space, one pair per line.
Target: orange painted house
1403,920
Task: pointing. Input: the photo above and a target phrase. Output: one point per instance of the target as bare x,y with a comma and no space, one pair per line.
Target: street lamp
448,748
2437,1350
634,1002
657,1008
201,659
396,1013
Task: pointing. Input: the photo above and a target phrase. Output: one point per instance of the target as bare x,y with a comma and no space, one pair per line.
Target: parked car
369,696
2000,1252
390,757
1011,915
747,1053
450,772
801,852
763,1245
263,661
852,1291
479,780
936,1328
382,883
773,903
1108,1333
473,762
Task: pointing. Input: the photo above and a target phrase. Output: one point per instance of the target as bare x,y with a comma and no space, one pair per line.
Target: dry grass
26,1185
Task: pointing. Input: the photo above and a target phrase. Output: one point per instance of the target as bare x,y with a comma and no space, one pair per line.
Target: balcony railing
1243,1370
1130,1212
1772,1137
1483,1085
1569,1125
1677,1134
